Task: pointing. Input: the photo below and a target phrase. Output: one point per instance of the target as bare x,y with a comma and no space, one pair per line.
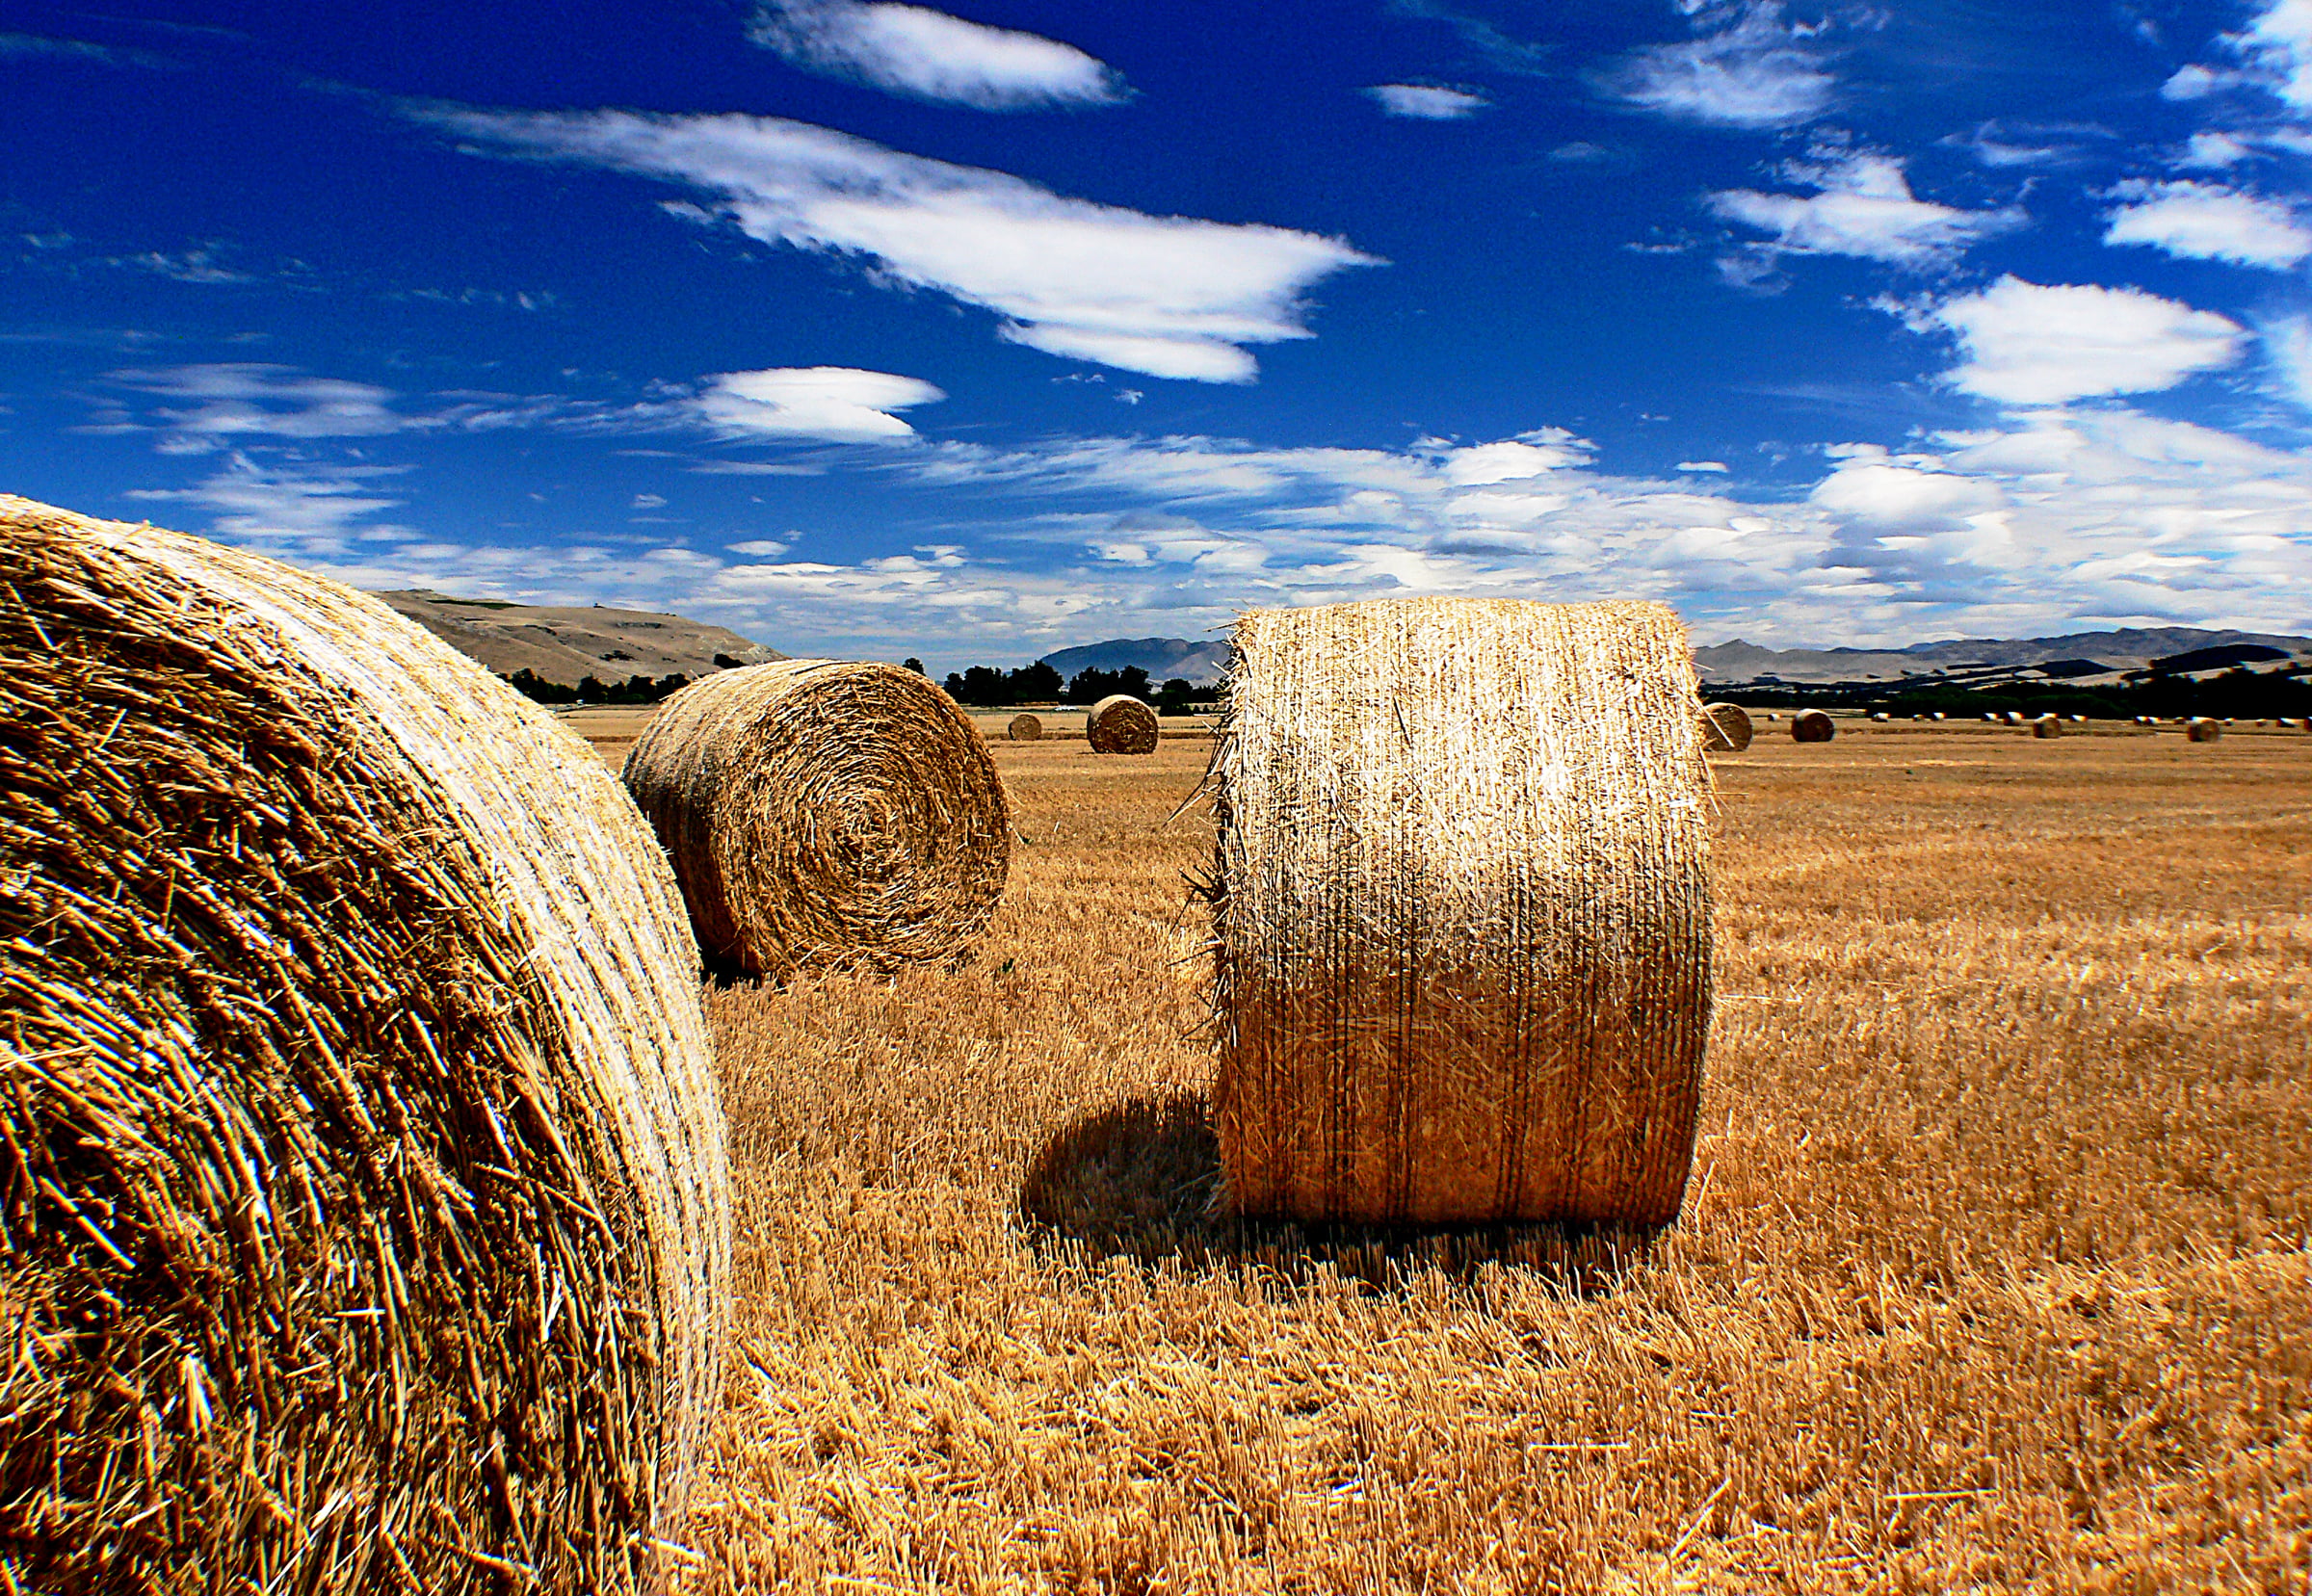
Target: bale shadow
1142,1180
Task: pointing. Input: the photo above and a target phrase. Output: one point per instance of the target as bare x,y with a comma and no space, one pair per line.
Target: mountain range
1199,663
567,645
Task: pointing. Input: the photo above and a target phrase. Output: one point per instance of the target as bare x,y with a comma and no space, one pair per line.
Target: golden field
1994,1275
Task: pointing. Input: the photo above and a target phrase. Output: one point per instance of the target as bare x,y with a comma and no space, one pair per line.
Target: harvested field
1994,1274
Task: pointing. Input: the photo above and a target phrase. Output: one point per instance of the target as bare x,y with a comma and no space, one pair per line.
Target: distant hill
1199,663
2178,647
567,645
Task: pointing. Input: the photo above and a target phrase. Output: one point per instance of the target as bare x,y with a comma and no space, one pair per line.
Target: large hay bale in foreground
2201,729
825,815
1025,728
1726,728
1462,913
1121,724
2047,725
363,1206
1812,725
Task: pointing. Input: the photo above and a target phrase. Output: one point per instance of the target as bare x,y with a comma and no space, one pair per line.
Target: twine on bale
1812,725
1121,724
363,1181
1460,914
1726,728
824,815
1025,728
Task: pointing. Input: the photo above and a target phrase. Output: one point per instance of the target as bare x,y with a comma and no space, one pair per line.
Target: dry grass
1993,1276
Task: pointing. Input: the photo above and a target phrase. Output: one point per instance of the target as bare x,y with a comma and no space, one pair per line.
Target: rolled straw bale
2201,729
1812,725
1025,728
363,1204
1726,728
822,813
2047,725
1462,913
1121,724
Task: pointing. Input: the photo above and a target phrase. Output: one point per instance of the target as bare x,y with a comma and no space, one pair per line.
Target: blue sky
871,329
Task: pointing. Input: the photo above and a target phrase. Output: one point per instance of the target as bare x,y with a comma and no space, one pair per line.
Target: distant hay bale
1462,913
1025,728
1726,728
2047,725
1812,727
366,1206
1121,724
2204,730
1880,716
824,815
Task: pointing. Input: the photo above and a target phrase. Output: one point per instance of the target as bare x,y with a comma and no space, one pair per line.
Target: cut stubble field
1993,1273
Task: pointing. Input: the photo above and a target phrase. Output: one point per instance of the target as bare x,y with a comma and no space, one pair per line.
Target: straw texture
1812,725
1025,728
1120,725
2201,729
1726,728
2047,725
825,815
1462,913
361,1177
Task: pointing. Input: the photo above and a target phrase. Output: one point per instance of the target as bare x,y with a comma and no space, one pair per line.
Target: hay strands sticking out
825,815
1462,913
364,1183
1726,728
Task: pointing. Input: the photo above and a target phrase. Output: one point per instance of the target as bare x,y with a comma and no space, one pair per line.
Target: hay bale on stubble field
2201,729
1121,724
1025,728
1726,728
2046,726
1812,727
824,815
363,1195
1460,914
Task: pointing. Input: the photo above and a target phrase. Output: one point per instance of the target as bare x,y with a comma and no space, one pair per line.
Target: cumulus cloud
2207,151
2208,222
2278,46
1435,105
1862,205
1168,296
827,403
2026,344
1749,68
930,55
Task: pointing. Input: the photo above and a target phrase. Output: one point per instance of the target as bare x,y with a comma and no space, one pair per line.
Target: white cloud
1862,205
648,501
2212,152
311,514
2194,82
240,400
1170,296
930,55
2288,349
2029,344
1716,466
1867,488
2278,45
828,403
1435,105
1753,69
2208,222
1517,460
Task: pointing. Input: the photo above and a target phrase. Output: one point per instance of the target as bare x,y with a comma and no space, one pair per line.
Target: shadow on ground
1142,1180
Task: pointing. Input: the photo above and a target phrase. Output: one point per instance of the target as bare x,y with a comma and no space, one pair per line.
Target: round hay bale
364,1221
1726,728
2047,725
824,815
2202,730
1121,724
1812,727
1025,728
1460,914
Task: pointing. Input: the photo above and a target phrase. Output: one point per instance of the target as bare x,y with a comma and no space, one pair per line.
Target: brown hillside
566,645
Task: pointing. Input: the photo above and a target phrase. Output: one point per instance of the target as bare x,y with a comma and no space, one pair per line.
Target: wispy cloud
38,45
198,265
1862,206
216,404
1425,103
2288,349
1747,66
2208,222
2002,144
303,512
2029,344
930,55
825,404
1168,296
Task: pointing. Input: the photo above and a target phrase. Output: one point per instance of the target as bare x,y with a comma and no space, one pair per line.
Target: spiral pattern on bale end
825,815
1121,724
363,1182
1460,914
1812,725
1025,728
1726,728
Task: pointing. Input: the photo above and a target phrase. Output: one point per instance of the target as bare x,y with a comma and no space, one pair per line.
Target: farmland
1994,1274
